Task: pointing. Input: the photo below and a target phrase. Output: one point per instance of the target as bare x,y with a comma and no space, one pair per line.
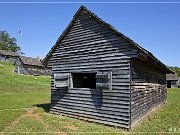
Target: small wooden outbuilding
31,66
8,56
101,75
171,80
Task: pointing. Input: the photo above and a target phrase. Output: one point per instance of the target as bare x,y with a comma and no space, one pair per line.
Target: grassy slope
19,91
11,82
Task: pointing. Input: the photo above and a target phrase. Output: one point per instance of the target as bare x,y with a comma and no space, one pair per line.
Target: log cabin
101,75
24,65
171,80
8,56
30,66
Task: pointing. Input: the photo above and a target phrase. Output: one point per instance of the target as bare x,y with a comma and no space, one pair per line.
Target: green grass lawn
24,105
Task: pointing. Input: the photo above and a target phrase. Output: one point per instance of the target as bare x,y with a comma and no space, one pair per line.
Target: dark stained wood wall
148,89
31,69
89,46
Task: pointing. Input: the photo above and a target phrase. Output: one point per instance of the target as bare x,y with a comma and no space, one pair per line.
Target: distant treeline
176,69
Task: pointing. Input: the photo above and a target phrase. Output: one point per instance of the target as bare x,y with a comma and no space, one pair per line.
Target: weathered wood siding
20,69
148,89
30,69
4,58
89,46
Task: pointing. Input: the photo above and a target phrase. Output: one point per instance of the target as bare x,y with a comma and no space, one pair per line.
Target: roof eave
45,60
149,57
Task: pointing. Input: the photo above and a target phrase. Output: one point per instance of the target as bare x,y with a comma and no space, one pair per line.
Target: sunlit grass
24,105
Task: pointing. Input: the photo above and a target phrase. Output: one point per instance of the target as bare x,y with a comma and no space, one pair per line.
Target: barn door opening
168,84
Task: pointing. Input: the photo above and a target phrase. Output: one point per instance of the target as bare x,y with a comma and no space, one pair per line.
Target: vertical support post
18,70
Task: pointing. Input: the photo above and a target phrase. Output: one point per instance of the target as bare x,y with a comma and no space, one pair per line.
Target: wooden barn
30,66
171,80
8,56
101,75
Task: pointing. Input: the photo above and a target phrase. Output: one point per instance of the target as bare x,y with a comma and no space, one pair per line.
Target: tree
9,43
176,69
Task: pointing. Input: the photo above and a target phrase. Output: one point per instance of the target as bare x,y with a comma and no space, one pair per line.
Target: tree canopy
9,43
176,69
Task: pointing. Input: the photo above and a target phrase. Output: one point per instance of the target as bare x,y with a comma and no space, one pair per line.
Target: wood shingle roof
171,77
31,61
8,53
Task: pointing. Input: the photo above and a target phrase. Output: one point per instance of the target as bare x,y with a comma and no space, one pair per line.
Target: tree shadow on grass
45,107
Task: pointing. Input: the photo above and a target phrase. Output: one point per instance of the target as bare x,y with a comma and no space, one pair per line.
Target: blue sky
154,26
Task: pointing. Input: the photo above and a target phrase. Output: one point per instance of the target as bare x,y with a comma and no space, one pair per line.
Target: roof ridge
31,61
8,52
126,37
28,57
83,8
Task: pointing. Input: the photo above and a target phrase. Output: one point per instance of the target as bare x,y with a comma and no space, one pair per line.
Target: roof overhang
148,56
152,61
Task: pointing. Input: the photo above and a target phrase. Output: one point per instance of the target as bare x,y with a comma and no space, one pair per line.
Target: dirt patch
30,113
15,122
71,127
36,116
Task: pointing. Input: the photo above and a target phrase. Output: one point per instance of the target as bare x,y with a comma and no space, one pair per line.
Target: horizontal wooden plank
147,103
146,110
96,58
92,56
94,66
82,117
111,109
128,53
139,107
86,108
95,115
94,100
104,63
96,43
107,104
110,96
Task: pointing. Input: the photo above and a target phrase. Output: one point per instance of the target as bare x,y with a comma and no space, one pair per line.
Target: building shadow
97,97
45,106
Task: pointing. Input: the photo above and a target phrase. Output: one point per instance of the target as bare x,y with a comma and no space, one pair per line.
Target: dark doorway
168,84
84,80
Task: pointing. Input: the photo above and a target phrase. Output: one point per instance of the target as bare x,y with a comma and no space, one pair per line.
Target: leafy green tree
176,69
9,43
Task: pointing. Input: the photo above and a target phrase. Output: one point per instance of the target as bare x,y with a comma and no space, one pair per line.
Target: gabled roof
84,9
31,61
171,77
8,53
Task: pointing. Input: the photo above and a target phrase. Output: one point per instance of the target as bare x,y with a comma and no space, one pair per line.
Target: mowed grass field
24,105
